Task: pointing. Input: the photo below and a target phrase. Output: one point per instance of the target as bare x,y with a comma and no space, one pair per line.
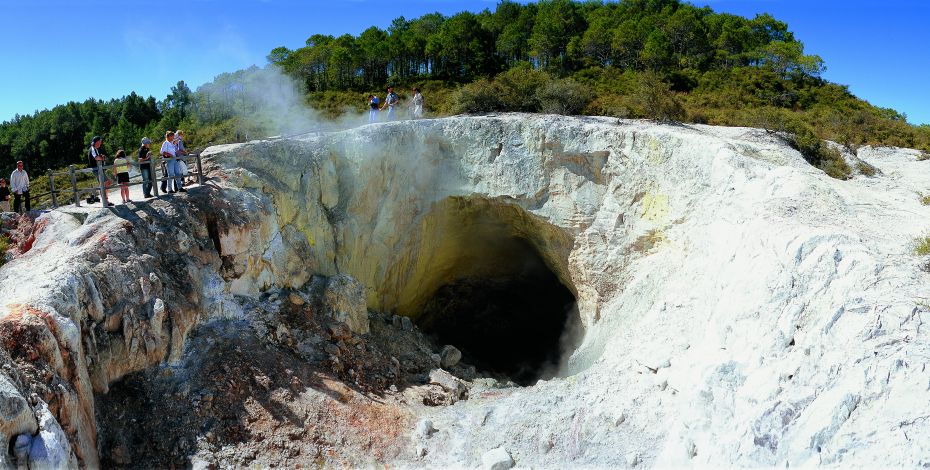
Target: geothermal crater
500,290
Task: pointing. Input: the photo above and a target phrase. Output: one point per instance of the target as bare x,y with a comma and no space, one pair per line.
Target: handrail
77,192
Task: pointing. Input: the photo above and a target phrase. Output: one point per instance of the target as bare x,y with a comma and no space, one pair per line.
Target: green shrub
518,88
478,97
921,245
656,99
4,246
924,199
565,96
866,169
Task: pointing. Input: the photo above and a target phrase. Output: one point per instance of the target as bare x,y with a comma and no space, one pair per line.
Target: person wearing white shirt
168,152
19,186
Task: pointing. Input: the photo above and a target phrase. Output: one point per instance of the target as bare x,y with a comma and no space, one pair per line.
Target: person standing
390,102
94,155
19,185
417,104
145,167
180,152
169,152
4,196
121,169
373,108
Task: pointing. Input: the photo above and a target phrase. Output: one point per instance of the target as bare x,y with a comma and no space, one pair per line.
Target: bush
4,246
866,169
656,99
921,245
563,97
478,97
519,86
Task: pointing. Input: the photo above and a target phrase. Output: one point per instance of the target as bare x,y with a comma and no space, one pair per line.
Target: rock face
735,306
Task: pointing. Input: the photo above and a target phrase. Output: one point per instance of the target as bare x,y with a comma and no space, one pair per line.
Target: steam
267,104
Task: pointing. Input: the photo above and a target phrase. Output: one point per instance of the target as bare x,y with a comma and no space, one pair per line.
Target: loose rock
450,356
497,459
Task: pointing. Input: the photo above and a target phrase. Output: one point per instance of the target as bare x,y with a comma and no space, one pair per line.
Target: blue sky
56,50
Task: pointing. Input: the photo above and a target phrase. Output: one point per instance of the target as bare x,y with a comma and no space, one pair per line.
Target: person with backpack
390,102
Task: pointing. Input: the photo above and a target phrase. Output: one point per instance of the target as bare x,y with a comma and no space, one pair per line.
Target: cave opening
501,301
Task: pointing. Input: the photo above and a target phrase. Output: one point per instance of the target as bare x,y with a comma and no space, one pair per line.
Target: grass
39,187
4,246
924,199
921,245
866,169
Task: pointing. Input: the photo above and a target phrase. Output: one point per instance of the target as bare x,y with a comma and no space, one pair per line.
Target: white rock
496,459
425,428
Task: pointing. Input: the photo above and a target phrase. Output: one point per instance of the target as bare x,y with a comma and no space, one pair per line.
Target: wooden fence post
51,187
199,171
77,197
101,180
154,171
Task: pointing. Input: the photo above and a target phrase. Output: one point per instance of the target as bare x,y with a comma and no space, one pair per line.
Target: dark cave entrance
501,303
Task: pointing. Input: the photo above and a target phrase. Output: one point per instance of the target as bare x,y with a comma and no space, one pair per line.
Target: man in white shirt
19,186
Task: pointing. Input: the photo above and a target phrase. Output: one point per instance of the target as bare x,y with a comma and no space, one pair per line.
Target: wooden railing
77,194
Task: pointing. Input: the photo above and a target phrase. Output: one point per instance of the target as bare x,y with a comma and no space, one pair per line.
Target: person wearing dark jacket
4,196
145,167
94,155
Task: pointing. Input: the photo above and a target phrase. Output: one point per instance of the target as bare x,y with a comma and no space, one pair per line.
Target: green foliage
479,97
4,247
866,169
661,59
655,99
921,245
925,199
564,96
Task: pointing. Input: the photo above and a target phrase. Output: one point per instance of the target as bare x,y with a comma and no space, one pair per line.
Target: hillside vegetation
656,59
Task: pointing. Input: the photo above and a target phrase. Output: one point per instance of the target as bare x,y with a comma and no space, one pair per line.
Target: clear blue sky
57,50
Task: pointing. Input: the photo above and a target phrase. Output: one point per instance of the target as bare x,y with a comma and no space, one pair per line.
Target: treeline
559,36
57,137
655,59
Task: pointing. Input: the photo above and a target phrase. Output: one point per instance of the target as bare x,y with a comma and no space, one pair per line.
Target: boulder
344,300
449,356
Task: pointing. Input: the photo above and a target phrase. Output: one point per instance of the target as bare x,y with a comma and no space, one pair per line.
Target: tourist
4,196
145,167
19,186
121,169
373,108
169,152
417,104
94,155
390,102
181,152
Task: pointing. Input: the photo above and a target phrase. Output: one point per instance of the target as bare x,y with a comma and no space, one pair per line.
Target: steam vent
488,291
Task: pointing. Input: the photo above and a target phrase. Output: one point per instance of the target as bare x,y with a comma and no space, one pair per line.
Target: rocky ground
286,386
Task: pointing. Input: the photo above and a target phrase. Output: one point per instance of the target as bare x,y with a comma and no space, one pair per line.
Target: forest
656,59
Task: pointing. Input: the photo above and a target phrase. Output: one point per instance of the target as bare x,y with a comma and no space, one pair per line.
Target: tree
556,23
